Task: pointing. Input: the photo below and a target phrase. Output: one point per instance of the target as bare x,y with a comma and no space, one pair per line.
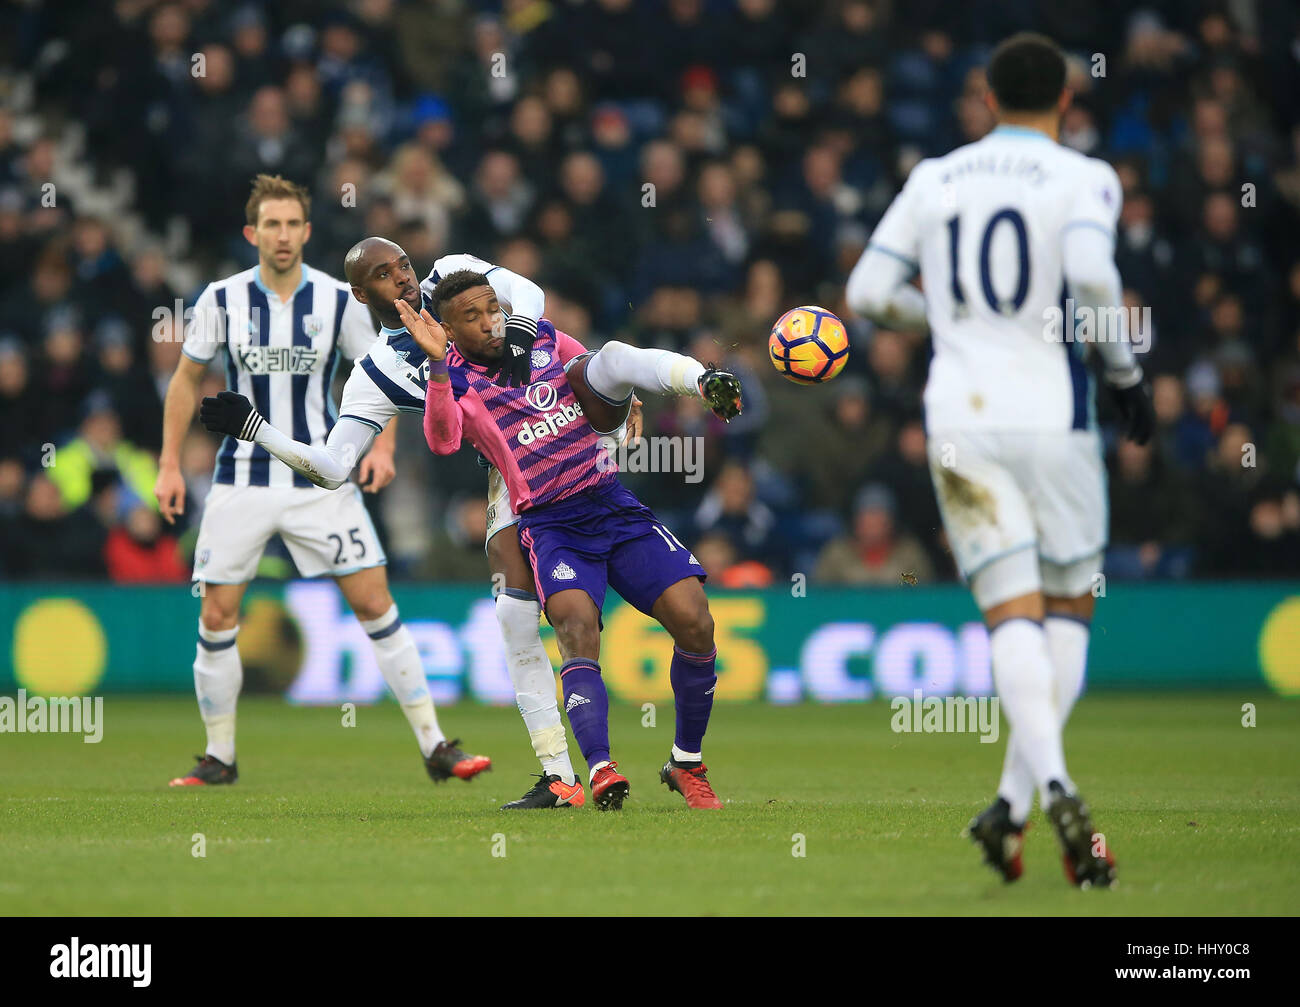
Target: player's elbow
867,297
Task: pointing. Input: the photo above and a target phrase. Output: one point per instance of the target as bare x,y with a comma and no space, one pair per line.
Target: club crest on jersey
540,358
541,396
311,326
563,571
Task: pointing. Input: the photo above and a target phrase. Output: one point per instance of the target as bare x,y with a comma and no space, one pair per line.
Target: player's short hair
1027,73
275,187
455,283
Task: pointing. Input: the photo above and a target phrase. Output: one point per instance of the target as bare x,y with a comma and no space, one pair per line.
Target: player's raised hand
428,333
170,491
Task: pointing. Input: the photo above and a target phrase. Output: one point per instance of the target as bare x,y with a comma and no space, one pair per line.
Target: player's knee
578,634
372,605
695,631
217,617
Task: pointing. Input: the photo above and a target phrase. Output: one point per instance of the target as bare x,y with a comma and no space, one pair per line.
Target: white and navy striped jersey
281,355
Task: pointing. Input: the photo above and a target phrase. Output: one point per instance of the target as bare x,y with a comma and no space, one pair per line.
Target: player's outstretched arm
879,288
231,413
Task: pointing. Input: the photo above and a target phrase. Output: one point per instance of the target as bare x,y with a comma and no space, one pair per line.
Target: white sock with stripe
218,677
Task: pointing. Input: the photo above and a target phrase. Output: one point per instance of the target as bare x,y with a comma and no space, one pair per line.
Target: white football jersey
985,226
281,355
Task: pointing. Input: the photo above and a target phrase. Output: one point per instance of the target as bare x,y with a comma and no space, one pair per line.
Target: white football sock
534,681
617,368
1022,671
680,756
399,662
1067,642
218,676
1017,784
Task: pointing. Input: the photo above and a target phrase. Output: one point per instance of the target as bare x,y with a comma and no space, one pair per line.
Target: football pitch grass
1202,814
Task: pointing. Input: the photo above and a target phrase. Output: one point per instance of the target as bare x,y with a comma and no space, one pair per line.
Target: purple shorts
604,537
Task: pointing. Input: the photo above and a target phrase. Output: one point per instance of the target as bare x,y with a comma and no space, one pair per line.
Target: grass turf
1203,815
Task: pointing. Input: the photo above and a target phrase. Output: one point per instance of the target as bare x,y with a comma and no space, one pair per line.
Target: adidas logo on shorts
563,571
577,699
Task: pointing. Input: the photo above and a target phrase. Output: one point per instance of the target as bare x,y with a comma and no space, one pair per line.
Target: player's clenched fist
424,329
230,413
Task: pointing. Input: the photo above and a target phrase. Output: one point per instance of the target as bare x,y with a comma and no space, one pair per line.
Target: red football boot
609,788
691,782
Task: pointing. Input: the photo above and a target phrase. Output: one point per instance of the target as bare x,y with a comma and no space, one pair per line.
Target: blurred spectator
875,553
138,551
732,509
457,549
99,448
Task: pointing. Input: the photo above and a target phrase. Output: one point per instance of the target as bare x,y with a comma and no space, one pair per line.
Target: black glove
516,367
230,413
1136,410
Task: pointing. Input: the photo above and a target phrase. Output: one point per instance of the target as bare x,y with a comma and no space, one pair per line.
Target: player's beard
293,265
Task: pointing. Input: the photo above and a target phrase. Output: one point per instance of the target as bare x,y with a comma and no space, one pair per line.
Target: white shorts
500,515
327,531
1004,493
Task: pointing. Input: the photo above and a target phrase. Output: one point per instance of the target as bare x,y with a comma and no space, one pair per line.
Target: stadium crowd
674,173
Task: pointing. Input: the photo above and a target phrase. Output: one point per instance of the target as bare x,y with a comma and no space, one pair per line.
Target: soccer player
1003,231
391,378
581,528
284,325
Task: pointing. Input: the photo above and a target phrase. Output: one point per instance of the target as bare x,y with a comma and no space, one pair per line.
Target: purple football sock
693,679
587,704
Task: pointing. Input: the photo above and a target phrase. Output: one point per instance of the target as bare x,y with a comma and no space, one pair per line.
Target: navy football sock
587,704
693,679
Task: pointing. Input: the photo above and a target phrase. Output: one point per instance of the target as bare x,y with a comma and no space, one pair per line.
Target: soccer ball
808,345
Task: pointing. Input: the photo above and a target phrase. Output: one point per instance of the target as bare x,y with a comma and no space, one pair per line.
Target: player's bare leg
398,658
518,614
683,610
218,677
576,621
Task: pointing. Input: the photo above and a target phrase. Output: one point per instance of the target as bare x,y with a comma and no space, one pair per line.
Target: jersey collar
1007,129
272,295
